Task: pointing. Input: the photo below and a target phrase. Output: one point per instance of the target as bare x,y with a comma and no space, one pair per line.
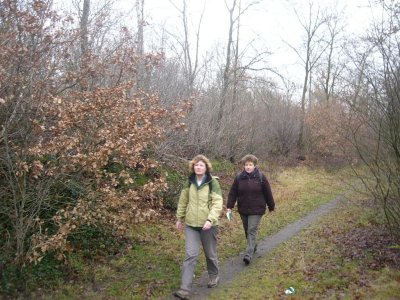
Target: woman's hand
178,225
207,225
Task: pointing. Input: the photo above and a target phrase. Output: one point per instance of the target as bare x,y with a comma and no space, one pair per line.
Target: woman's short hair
198,158
249,158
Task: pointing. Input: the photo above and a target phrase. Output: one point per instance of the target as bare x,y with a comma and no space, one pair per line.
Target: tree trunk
84,30
84,27
141,75
226,74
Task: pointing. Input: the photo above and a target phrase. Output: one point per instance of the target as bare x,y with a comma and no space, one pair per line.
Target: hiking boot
182,294
246,260
213,282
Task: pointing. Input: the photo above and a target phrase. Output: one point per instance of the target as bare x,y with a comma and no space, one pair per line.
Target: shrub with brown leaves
63,115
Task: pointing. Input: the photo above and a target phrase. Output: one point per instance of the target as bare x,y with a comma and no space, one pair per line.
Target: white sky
269,17
270,22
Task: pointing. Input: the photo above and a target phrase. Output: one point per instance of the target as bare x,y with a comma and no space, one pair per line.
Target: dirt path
233,266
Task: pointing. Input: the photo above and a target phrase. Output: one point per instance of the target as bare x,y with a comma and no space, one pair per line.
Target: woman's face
200,168
249,166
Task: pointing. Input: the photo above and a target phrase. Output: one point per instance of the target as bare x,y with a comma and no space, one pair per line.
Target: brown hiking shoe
213,282
182,294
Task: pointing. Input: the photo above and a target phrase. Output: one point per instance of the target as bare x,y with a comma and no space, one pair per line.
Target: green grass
311,261
386,285
151,268
296,192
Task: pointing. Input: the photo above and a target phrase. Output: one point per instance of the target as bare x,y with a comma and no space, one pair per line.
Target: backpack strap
213,178
263,180
262,177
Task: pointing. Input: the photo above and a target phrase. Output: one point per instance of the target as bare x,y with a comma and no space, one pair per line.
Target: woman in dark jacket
252,192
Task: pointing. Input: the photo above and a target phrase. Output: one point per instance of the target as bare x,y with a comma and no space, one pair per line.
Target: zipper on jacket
198,202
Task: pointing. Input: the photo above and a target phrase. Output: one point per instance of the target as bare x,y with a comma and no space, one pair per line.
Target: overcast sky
269,25
271,22
269,17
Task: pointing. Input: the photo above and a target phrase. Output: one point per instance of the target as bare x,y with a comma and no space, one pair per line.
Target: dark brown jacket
252,193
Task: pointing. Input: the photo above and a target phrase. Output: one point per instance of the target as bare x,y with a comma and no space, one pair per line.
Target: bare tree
313,48
229,75
84,32
190,53
84,27
140,78
227,68
375,131
332,64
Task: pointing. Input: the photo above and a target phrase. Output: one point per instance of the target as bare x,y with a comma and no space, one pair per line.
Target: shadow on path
233,266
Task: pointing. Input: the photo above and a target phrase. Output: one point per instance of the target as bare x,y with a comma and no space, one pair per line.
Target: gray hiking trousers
250,226
194,237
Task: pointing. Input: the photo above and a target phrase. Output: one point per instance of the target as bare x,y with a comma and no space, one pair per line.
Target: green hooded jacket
197,205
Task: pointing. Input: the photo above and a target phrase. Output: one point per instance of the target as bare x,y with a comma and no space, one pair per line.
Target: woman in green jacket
199,208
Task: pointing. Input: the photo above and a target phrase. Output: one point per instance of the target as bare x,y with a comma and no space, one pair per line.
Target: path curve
230,268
